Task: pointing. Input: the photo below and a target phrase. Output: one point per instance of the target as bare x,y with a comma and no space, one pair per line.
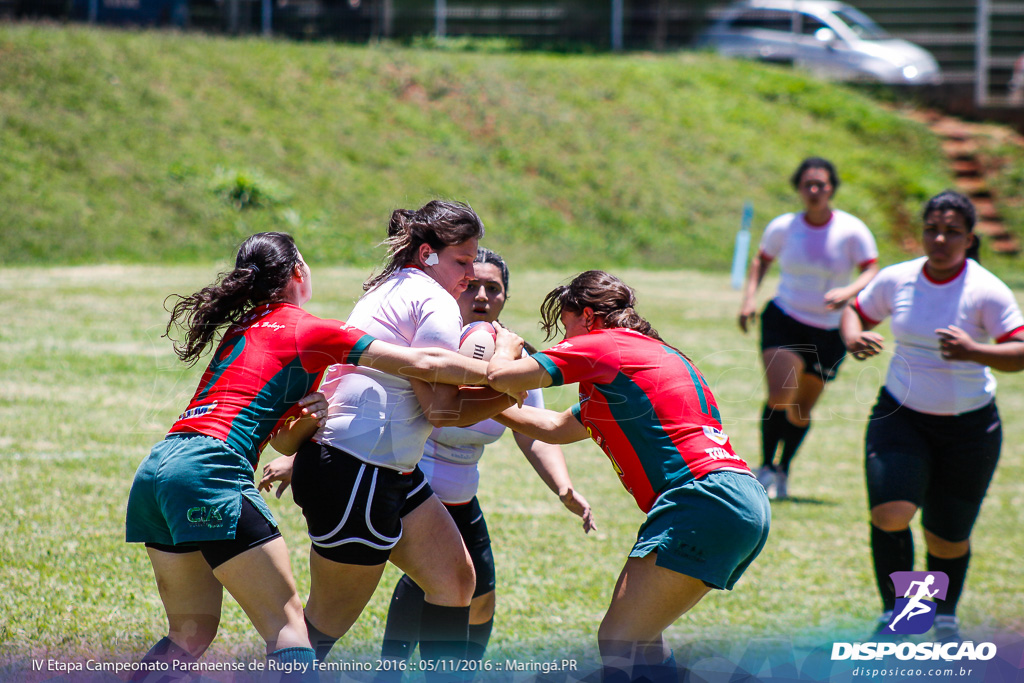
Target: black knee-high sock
402,631
616,661
956,570
663,672
792,437
773,423
443,636
893,551
319,641
167,652
479,636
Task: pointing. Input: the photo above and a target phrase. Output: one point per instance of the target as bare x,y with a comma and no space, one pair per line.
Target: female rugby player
934,436
816,250
651,411
193,502
450,463
364,498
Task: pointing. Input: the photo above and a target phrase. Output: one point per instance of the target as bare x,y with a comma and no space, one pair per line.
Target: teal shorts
710,528
189,489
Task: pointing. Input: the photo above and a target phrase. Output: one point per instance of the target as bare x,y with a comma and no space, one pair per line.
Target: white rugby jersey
373,415
451,455
814,260
974,300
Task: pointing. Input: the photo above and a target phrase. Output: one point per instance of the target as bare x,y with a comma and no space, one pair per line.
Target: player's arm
278,469
1007,356
429,364
755,275
445,405
856,332
508,371
290,437
295,432
838,297
549,463
543,424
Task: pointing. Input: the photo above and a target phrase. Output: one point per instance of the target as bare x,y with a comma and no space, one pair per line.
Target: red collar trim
831,215
929,278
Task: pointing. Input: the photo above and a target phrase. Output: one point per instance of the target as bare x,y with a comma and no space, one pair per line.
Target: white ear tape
432,259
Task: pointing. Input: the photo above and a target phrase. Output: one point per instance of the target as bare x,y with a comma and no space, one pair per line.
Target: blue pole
742,248
616,25
267,17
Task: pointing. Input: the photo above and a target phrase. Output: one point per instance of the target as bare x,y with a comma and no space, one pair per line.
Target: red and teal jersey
263,366
647,407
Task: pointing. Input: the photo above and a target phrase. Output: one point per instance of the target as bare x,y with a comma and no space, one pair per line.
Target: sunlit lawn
87,385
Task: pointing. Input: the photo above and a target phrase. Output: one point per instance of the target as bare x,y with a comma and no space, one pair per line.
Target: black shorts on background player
823,351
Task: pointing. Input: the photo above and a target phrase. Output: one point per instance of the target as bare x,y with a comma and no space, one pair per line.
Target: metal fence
978,43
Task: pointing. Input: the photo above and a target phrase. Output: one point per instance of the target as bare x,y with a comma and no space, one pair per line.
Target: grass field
87,385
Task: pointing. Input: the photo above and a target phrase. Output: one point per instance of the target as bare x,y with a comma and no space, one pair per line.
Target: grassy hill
160,147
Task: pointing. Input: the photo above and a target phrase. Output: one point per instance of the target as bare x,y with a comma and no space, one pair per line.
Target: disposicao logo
914,614
915,611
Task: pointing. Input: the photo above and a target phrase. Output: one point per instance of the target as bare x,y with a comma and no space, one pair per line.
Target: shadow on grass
803,500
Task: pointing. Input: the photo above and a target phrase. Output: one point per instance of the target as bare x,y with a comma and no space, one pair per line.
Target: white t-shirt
975,300
451,455
814,260
375,416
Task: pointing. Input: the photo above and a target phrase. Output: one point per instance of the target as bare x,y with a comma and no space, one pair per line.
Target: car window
809,25
764,19
861,24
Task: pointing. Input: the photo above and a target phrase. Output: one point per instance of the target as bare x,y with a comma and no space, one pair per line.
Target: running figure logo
915,611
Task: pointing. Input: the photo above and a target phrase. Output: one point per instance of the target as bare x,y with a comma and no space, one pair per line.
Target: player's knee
894,516
464,583
948,550
612,639
481,610
454,586
194,632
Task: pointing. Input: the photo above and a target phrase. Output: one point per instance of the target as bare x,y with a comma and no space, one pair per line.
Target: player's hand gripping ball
477,340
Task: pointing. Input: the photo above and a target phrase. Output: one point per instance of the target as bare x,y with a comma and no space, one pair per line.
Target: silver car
830,39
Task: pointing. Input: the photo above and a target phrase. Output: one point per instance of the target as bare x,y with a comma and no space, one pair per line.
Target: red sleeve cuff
864,264
765,258
1009,335
863,316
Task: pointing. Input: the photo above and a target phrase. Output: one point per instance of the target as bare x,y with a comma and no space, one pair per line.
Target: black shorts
252,530
941,463
822,351
469,518
353,509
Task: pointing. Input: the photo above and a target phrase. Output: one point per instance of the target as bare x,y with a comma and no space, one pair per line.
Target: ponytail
630,319
974,251
263,268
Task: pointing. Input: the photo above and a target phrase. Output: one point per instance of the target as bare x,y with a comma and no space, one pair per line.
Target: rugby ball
477,340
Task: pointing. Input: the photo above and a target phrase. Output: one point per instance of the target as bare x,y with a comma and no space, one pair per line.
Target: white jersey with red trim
451,455
375,416
974,300
814,260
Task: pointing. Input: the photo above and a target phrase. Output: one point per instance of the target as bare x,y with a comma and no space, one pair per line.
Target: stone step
1005,244
986,209
973,187
961,151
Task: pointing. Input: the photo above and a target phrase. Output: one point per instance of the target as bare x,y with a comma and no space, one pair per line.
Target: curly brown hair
263,268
